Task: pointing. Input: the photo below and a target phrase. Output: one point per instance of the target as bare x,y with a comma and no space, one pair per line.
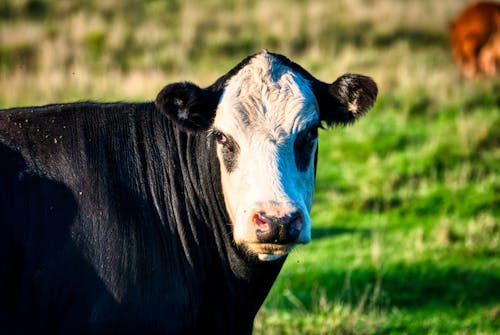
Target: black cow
171,217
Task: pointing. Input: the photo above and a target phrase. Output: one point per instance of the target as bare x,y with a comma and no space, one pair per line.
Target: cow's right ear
188,106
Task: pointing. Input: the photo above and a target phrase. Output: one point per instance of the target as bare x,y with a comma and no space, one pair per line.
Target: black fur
191,107
346,99
112,220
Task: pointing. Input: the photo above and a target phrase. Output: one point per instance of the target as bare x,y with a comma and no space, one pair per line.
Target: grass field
406,236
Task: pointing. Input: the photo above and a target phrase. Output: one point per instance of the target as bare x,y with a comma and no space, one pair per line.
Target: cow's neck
190,171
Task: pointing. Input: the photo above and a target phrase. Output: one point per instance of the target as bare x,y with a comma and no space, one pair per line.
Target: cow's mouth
270,251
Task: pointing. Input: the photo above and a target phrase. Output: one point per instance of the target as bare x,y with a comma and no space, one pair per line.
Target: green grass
406,235
406,219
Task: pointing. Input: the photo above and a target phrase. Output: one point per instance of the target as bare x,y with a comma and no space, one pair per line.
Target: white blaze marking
263,108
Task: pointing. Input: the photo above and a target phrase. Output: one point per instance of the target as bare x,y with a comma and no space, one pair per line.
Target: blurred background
406,236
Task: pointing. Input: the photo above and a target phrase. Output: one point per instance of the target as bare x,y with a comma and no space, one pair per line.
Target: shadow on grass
416,38
322,232
365,33
412,286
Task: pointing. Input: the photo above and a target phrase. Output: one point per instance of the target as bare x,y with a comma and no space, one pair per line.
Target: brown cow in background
475,39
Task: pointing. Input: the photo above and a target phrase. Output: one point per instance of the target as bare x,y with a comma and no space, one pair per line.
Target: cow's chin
268,251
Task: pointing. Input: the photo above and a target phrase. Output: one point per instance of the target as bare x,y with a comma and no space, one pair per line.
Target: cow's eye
228,148
221,138
307,138
311,135
304,145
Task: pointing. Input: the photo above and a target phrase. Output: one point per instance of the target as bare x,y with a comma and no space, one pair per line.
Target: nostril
262,221
272,229
266,230
262,217
294,228
292,217
291,228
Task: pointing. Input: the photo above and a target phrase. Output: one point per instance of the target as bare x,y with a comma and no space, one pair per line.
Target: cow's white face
264,115
266,128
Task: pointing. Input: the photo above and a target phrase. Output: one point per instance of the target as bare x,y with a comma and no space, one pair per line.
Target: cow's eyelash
311,131
220,137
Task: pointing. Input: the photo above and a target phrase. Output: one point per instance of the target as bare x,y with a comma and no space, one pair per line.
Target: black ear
346,99
187,105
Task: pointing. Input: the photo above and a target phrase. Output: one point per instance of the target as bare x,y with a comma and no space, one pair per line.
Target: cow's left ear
346,99
187,105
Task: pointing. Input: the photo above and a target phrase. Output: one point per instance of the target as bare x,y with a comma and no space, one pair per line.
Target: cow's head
264,116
